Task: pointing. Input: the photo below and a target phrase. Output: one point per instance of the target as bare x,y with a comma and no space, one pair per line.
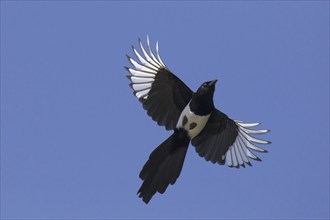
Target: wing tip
129,58
133,48
221,162
257,159
127,69
249,163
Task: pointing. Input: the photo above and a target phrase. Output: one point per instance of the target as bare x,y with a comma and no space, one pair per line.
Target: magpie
193,118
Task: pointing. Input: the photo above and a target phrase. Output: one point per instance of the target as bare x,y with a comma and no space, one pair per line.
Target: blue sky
74,138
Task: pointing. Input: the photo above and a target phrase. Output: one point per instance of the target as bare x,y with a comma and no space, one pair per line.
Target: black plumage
164,165
192,117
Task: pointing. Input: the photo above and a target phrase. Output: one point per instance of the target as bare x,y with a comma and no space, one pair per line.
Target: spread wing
224,140
161,93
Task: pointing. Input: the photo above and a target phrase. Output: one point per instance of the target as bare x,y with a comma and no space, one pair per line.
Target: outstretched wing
161,93
224,140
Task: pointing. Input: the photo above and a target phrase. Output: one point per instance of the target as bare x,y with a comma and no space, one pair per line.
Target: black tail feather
164,165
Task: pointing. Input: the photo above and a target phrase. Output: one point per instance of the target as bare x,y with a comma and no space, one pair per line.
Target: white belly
193,124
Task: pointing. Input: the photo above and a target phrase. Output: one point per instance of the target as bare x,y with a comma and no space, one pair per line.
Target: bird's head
202,100
207,88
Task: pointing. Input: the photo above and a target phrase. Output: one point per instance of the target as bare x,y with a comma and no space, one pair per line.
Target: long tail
164,165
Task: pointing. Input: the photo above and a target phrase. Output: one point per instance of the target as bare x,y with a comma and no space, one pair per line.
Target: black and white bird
192,117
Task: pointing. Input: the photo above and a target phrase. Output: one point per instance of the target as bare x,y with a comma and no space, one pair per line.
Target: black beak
211,83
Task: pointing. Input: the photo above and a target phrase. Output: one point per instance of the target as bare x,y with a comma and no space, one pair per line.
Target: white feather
135,79
141,86
247,151
253,139
249,131
242,151
228,158
233,156
141,67
157,52
142,93
247,125
143,61
141,73
148,57
250,145
152,54
238,153
146,66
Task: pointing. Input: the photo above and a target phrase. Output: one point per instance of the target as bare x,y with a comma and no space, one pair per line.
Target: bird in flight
193,118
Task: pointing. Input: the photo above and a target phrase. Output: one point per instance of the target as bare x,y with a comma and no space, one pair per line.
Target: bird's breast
191,122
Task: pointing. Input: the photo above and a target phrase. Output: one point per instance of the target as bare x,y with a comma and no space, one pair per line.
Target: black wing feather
161,93
225,140
167,98
218,135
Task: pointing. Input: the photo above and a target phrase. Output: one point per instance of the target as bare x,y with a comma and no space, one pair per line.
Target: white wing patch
146,67
240,152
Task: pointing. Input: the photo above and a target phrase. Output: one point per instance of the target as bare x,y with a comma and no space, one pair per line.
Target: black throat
202,104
